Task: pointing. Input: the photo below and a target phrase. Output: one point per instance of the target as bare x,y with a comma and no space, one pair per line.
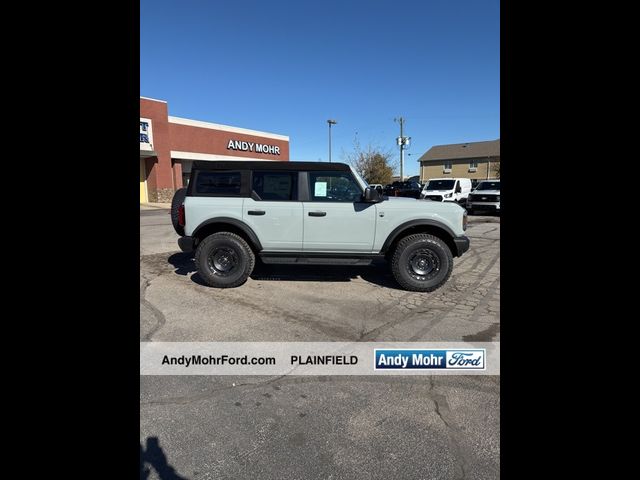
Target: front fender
397,232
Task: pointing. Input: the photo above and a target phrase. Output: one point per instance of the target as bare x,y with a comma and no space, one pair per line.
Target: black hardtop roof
268,165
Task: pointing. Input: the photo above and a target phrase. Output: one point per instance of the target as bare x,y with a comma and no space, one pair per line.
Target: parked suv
404,189
486,196
390,188
310,213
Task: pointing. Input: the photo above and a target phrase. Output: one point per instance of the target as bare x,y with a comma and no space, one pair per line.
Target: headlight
448,195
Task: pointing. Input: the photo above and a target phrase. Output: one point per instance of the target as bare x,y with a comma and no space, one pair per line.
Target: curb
157,206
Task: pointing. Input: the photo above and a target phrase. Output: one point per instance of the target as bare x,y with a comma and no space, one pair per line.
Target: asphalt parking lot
318,427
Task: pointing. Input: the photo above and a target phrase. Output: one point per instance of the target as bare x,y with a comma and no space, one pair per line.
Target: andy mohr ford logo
408,359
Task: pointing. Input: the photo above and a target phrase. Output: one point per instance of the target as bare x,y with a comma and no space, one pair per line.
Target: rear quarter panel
200,209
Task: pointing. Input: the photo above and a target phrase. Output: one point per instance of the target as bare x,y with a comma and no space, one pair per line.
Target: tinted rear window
221,183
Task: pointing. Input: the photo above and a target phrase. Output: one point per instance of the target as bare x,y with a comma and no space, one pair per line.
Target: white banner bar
319,358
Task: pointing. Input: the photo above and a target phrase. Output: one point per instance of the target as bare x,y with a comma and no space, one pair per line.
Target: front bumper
186,244
433,198
462,244
493,206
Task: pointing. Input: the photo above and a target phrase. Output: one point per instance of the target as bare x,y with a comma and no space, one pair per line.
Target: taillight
181,219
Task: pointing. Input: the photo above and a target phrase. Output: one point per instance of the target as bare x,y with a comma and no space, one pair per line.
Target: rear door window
278,186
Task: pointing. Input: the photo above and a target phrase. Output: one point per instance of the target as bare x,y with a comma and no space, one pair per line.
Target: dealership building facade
169,145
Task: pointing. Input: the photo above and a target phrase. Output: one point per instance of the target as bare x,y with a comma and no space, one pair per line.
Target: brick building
169,145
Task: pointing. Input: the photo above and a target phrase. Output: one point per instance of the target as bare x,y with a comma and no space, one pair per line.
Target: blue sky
288,66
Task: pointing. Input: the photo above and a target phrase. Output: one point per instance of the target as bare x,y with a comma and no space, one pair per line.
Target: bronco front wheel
421,262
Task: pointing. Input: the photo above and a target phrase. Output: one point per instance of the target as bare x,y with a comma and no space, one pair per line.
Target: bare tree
374,164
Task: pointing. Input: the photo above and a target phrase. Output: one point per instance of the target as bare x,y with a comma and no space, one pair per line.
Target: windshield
440,184
488,186
363,183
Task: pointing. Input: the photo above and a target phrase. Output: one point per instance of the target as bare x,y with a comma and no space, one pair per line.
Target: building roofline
465,143
455,151
153,99
453,159
226,128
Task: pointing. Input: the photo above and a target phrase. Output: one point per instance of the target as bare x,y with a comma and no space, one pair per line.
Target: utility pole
402,143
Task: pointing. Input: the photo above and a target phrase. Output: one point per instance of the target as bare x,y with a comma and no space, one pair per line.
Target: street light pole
330,122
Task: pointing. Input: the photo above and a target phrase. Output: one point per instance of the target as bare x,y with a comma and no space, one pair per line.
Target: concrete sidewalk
155,206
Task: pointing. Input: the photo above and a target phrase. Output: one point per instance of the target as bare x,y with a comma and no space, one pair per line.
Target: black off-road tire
224,260
421,253
178,199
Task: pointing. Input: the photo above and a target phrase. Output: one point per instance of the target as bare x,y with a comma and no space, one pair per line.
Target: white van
447,189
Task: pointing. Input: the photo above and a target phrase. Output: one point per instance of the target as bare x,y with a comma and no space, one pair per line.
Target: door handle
256,212
317,214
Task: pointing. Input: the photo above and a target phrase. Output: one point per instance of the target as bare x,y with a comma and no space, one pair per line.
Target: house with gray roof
475,160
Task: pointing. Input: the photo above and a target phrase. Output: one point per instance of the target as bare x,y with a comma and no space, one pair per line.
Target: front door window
334,187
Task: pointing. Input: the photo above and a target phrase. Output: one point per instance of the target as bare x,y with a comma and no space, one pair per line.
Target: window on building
334,187
447,165
218,183
275,185
473,164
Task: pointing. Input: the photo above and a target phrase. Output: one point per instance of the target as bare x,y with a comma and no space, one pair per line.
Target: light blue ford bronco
311,213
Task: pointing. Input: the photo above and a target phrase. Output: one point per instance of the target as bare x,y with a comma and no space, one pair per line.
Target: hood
401,199
486,192
418,204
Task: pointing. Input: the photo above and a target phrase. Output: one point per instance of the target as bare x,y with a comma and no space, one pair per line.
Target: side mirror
372,195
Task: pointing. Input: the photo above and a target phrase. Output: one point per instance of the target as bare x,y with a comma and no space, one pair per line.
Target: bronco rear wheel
224,260
421,262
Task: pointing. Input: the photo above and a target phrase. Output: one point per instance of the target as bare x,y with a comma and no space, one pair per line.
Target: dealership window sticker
320,189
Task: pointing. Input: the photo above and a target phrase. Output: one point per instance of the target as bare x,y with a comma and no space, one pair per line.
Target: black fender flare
410,224
246,229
